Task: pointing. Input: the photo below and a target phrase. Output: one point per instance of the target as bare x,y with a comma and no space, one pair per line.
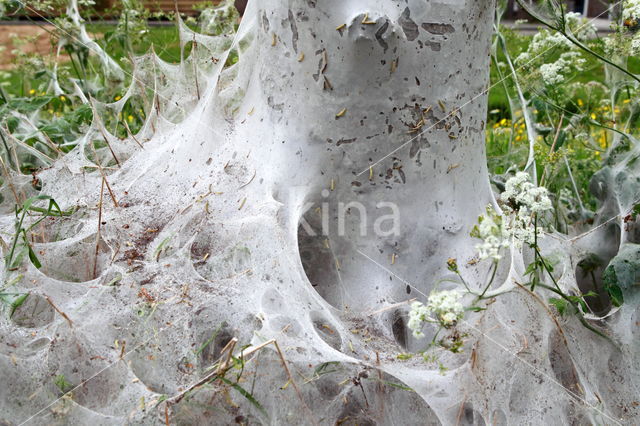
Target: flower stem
493,275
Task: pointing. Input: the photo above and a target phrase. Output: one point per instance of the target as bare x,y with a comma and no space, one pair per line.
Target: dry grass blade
95,259
59,311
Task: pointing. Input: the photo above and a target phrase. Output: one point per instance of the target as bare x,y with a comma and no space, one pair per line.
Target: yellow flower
62,98
616,110
130,118
580,103
602,140
32,92
503,121
43,93
518,138
626,101
593,116
117,98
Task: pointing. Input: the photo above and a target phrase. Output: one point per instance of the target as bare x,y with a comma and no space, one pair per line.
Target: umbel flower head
570,59
523,201
520,195
443,307
492,233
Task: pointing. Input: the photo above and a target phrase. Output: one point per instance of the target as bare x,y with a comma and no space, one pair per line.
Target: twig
228,351
553,145
166,414
224,366
195,67
250,180
293,382
388,308
95,259
546,308
104,177
106,140
9,180
461,410
131,134
205,379
59,311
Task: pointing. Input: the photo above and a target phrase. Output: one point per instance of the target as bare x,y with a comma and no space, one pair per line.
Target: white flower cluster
545,40
631,10
444,305
522,200
492,234
554,72
622,43
570,59
527,197
583,28
625,40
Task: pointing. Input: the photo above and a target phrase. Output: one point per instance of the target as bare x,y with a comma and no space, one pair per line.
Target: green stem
73,64
464,283
15,239
582,46
493,275
535,248
546,268
6,146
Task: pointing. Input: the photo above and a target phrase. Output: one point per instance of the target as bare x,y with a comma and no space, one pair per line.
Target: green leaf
531,268
246,394
12,123
26,105
560,304
615,294
213,336
590,263
18,256
61,382
13,300
395,385
161,247
34,258
324,368
622,275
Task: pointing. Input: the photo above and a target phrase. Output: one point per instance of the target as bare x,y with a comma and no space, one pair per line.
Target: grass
165,41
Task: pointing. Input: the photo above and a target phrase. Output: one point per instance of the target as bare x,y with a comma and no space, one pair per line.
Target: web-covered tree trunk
301,194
